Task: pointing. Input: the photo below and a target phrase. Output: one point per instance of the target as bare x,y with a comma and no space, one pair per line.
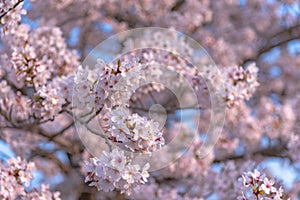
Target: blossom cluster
170,42
240,84
36,77
37,62
107,84
134,132
51,99
14,104
39,67
35,68
115,171
11,12
36,82
166,57
16,177
258,186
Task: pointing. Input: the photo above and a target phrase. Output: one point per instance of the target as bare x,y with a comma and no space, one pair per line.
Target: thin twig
95,133
62,131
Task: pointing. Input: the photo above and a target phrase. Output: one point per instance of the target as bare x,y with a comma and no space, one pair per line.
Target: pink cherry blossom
81,113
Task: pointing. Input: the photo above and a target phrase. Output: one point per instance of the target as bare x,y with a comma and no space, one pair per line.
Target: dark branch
278,39
177,5
5,13
273,151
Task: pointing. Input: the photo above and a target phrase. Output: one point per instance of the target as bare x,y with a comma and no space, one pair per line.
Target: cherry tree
187,100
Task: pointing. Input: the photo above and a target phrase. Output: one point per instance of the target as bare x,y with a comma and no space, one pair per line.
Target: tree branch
282,37
51,156
5,13
177,5
273,151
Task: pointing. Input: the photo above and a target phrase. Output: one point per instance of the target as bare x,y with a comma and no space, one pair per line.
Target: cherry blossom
114,171
48,87
133,131
261,186
15,179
